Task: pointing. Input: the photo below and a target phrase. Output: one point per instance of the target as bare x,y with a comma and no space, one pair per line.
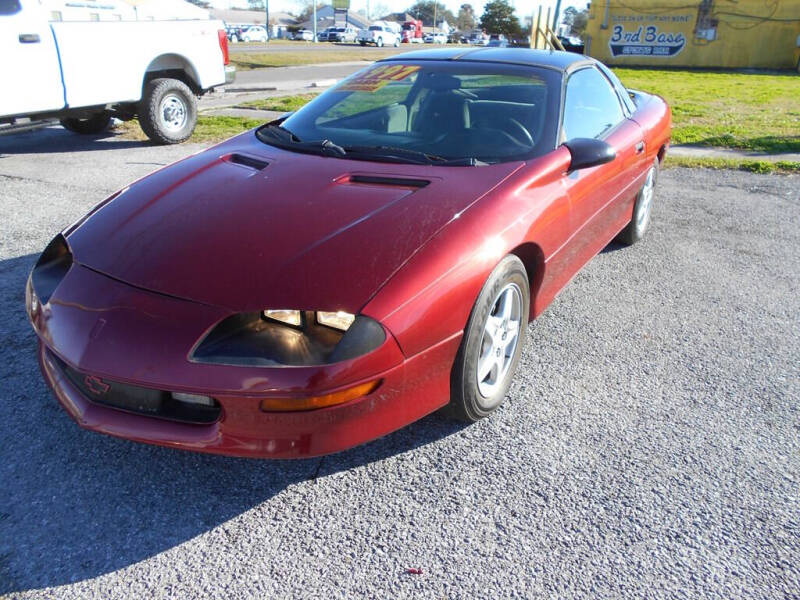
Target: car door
30,75
601,198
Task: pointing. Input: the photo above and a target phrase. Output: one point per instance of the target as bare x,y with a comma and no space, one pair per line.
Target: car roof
551,59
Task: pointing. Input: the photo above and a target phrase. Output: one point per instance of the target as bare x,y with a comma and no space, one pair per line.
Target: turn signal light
340,397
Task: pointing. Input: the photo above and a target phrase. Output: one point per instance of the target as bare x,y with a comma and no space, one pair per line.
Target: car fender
429,300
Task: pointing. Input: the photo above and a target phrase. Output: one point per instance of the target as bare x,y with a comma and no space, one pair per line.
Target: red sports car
339,273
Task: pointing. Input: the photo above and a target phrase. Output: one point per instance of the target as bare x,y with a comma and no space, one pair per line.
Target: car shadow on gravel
57,139
75,505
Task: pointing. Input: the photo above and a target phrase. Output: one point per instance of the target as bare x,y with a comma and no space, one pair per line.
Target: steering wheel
518,131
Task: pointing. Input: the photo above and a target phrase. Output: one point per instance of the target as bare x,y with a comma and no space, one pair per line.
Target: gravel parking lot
650,446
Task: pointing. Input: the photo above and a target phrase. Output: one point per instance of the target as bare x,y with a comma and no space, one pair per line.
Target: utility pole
314,2
435,6
555,16
266,8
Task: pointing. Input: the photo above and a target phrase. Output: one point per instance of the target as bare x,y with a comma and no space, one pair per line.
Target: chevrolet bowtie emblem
96,385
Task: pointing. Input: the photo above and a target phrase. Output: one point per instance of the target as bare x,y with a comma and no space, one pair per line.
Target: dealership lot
650,444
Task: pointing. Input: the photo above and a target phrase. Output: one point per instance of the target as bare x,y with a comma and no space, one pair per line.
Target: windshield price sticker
377,77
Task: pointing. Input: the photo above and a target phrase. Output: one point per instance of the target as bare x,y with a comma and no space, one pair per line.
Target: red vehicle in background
412,32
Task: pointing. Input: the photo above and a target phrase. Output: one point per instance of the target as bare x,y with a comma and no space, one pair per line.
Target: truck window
9,7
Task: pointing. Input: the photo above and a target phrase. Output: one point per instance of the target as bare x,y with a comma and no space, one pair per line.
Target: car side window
591,106
9,7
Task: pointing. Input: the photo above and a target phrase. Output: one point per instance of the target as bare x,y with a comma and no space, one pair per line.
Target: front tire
379,43
96,123
168,111
642,208
492,343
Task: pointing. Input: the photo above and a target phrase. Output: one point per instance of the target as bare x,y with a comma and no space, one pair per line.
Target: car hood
247,226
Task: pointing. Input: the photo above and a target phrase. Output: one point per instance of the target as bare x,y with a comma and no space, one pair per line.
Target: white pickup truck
380,35
85,73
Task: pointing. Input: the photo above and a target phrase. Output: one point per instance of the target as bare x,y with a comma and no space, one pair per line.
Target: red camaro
337,274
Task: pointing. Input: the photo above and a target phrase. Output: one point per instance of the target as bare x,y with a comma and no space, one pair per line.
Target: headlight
51,268
289,338
337,320
290,317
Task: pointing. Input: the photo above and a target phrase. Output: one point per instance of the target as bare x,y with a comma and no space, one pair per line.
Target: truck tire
167,111
94,124
379,43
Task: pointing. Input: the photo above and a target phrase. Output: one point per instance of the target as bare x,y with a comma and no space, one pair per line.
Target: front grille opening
139,400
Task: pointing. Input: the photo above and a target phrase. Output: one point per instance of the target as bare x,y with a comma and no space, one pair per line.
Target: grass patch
209,129
310,56
280,103
753,166
727,110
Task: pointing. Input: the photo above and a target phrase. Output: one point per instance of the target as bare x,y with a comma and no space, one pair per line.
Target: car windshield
458,113
376,28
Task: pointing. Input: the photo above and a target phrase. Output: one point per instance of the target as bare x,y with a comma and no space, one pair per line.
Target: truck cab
86,72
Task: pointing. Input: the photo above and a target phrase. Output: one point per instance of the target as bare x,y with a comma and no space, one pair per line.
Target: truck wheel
379,43
94,124
363,43
168,111
397,43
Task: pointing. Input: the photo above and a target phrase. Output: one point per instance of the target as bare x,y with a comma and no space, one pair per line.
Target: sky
388,6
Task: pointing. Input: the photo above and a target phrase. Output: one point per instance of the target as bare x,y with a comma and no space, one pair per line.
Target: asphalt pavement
291,77
649,446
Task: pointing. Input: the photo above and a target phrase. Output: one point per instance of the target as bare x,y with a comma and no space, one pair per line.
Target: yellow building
761,34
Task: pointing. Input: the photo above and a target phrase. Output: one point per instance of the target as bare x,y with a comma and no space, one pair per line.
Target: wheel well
661,152
532,257
173,66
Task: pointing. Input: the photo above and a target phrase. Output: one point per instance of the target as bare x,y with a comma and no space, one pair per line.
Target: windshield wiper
286,138
415,156
422,158
283,137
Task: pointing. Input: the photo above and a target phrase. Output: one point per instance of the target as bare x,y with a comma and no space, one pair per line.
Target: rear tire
492,343
97,123
642,209
168,111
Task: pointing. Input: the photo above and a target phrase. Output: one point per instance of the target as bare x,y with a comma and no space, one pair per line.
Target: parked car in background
479,40
343,34
303,35
322,36
437,37
497,41
234,33
85,73
379,35
256,33
572,44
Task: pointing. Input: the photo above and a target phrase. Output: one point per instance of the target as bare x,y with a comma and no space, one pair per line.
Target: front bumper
108,330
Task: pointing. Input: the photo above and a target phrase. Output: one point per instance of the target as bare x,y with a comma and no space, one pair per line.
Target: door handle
639,147
29,38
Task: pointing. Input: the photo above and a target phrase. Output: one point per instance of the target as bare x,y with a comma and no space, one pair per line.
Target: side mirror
589,152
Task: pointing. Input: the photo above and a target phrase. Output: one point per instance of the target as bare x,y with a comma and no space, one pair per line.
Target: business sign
645,40
341,4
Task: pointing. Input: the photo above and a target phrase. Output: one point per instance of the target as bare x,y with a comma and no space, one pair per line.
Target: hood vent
247,161
390,181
